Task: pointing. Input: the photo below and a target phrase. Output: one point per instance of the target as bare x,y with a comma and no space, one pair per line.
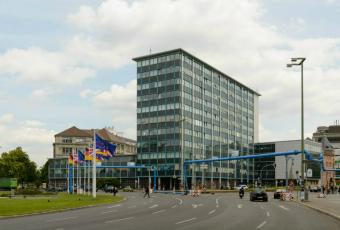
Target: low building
273,171
73,139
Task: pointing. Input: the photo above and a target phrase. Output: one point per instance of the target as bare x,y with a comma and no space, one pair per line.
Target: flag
88,155
81,156
104,148
70,159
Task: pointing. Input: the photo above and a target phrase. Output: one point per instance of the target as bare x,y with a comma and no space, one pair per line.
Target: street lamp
295,62
287,159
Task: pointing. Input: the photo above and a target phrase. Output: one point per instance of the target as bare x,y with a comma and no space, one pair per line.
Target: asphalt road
225,211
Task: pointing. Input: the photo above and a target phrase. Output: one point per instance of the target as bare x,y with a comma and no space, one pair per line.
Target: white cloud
36,65
227,34
120,102
6,118
31,135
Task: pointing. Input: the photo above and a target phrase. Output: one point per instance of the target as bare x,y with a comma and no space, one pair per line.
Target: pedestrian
147,192
115,190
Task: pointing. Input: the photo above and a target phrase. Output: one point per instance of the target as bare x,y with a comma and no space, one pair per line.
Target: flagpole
68,175
72,173
89,178
77,171
80,189
84,175
94,181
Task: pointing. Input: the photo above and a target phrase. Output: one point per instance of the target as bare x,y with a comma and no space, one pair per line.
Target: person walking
147,192
115,190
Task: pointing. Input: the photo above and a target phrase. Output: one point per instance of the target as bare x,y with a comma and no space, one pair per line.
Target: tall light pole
299,62
287,159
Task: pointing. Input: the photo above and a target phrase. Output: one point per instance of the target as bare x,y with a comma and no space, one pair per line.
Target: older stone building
73,139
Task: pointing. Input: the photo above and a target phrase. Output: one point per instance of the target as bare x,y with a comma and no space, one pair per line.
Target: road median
14,207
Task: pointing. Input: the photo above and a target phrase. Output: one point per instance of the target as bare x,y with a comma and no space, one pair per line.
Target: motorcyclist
241,192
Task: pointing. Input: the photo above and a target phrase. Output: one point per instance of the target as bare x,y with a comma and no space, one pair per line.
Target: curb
320,210
59,210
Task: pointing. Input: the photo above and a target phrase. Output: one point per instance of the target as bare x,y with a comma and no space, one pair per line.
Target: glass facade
264,170
188,109
58,171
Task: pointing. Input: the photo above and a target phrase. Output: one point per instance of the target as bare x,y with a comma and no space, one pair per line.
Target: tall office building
187,109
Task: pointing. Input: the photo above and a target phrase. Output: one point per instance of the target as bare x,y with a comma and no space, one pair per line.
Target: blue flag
81,156
104,148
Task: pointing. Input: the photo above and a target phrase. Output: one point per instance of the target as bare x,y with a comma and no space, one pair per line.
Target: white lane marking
283,207
239,206
115,206
109,211
163,210
268,214
217,203
154,206
194,206
261,225
175,206
61,219
212,211
184,221
59,229
262,207
199,205
117,220
180,201
134,206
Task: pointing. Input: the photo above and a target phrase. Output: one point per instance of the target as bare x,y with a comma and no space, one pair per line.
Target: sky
65,63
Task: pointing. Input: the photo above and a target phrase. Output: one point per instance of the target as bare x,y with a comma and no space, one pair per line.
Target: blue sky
65,63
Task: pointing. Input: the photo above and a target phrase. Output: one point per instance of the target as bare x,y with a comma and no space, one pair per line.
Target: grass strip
29,205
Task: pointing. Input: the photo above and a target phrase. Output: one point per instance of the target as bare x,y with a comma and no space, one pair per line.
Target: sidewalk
329,205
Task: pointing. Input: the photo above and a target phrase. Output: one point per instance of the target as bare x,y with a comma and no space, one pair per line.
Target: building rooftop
103,133
183,51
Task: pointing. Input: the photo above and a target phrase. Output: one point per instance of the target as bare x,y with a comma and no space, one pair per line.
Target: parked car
108,188
259,194
278,192
245,187
128,189
315,189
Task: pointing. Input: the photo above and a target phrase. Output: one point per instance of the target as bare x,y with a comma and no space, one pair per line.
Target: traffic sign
309,172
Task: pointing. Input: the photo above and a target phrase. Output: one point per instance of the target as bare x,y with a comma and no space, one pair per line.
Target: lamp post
299,62
287,159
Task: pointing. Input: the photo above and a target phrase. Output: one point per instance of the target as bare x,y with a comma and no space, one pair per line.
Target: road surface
167,212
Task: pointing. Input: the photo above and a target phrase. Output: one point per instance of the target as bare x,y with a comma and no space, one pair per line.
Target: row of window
157,60
162,71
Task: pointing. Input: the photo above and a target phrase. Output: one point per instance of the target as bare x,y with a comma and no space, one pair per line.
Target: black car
258,194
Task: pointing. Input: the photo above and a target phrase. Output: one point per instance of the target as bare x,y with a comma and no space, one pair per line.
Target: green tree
42,174
16,164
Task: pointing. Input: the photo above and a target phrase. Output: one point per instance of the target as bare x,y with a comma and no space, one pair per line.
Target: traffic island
28,205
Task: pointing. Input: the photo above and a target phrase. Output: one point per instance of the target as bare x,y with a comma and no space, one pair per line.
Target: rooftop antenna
150,50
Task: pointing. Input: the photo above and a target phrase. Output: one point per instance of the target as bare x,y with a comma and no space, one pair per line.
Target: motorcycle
241,195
